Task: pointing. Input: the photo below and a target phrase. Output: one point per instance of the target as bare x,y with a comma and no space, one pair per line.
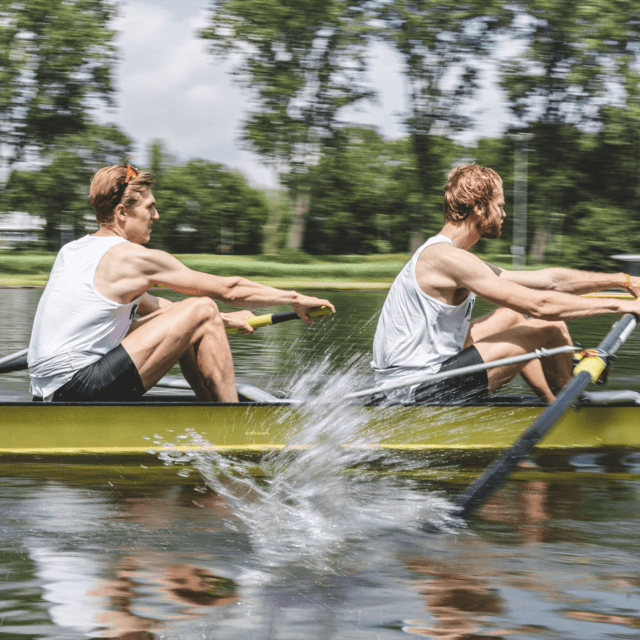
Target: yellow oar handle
277,318
594,362
609,294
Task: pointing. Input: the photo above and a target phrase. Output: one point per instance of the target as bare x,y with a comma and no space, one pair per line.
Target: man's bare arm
569,280
471,273
159,267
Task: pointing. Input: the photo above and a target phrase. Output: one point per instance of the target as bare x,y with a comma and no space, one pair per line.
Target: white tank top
417,333
75,325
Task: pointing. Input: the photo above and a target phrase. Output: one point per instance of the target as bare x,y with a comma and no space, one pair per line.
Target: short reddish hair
469,186
106,185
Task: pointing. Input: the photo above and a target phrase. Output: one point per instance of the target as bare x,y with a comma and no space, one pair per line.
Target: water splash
312,503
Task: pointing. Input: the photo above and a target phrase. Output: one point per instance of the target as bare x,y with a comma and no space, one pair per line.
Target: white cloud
169,87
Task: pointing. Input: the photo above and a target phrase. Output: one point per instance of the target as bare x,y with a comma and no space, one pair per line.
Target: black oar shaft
318,312
277,318
14,362
477,492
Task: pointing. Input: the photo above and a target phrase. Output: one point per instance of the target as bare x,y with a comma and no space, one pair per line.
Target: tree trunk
298,222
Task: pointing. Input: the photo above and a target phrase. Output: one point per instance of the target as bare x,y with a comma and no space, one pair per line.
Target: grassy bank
18,269
375,271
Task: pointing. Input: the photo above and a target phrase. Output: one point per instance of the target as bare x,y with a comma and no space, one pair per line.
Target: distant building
18,227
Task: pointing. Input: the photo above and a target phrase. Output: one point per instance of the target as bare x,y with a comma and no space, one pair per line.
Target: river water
198,546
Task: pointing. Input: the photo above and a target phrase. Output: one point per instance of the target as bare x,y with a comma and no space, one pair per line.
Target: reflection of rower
92,591
140,580
459,601
528,514
67,575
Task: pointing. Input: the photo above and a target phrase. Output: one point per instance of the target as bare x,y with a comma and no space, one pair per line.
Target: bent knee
558,331
201,309
510,318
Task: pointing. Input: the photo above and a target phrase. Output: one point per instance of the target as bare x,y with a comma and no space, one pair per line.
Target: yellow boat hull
44,429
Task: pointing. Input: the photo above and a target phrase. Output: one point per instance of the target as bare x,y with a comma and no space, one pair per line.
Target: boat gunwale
517,401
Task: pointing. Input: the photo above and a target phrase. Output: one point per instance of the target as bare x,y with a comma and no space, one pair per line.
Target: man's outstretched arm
571,280
469,272
158,267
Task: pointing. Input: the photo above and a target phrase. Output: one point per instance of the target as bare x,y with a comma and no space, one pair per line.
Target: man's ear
479,210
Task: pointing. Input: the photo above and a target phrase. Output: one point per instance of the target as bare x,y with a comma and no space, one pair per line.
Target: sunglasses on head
132,174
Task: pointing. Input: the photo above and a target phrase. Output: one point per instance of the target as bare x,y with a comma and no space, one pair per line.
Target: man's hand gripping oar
276,318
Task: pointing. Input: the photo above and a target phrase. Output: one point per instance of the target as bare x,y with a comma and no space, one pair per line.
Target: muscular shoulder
445,259
129,270
441,269
137,259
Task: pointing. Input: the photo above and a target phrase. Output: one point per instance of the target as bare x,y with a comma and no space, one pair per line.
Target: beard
489,228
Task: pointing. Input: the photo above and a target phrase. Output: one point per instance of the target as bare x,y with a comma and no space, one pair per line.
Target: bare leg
505,333
189,368
191,330
500,320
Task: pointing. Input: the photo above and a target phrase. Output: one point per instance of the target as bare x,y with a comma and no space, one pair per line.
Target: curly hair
106,186
469,186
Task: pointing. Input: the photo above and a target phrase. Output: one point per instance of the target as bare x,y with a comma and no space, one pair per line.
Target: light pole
521,160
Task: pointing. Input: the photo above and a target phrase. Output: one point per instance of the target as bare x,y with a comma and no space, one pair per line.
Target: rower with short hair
425,324
85,344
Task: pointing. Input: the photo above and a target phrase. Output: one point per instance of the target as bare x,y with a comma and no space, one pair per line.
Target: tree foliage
302,61
205,208
573,85
56,59
58,190
575,88
365,197
576,55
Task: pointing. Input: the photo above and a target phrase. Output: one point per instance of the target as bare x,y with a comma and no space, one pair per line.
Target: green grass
364,269
339,272
25,263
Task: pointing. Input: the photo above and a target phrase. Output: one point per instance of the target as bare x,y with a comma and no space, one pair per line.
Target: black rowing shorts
112,378
460,389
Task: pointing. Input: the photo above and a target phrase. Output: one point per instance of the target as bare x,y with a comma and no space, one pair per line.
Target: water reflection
111,567
459,602
161,556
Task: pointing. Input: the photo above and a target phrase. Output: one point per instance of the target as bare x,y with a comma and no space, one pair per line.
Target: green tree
443,44
365,195
576,52
56,60
59,189
205,208
576,88
302,62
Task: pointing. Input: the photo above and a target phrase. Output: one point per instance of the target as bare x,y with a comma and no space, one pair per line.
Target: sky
170,88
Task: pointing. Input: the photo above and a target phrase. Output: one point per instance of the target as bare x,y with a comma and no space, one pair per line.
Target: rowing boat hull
141,429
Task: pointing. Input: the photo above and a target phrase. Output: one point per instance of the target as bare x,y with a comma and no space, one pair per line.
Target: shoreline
39,282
